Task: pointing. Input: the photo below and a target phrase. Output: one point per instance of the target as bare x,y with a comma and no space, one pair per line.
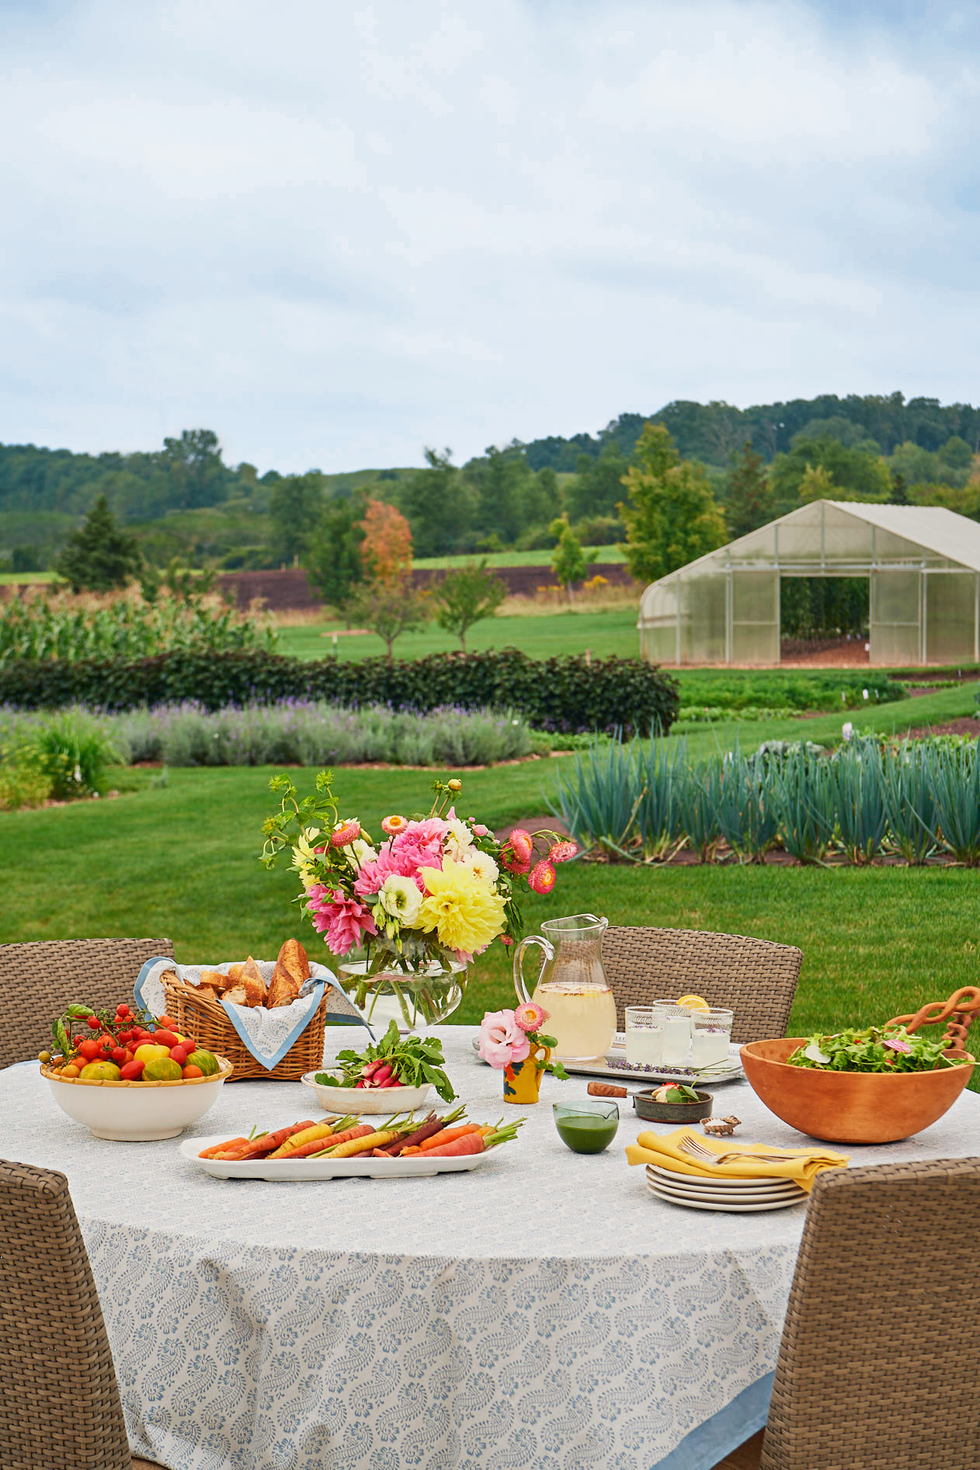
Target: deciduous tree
465,597
390,609
671,517
295,506
568,561
387,546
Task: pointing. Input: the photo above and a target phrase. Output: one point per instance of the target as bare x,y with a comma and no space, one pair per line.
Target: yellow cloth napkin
803,1165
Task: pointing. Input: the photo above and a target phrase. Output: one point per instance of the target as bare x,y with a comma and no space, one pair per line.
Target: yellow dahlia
459,907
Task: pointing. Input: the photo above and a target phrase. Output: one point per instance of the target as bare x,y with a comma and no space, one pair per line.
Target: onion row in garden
644,801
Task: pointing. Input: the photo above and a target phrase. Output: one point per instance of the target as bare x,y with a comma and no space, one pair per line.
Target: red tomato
165,1022
89,1049
106,1046
122,1010
179,1054
131,1071
119,1055
95,1023
165,1038
191,1072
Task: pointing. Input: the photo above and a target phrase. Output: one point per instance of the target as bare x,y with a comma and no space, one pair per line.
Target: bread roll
236,995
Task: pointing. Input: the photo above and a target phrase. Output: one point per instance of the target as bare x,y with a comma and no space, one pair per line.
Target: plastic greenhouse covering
923,563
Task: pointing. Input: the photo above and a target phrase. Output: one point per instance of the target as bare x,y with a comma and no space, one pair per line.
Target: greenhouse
922,564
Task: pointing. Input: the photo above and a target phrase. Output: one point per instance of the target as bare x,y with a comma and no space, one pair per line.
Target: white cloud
336,233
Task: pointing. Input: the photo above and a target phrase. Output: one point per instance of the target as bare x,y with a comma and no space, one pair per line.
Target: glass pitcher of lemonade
571,986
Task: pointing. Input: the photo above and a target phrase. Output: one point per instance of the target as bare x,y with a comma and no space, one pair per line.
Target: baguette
256,990
293,960
283,989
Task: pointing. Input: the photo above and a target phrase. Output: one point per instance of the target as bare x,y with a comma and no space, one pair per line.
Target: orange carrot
209,1153
317,1145
470,1143
263,1145
406,1153
448,1135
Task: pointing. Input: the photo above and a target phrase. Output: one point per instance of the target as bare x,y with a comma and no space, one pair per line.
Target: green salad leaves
876,1049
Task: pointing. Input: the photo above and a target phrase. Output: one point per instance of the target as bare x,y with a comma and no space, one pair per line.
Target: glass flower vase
419,996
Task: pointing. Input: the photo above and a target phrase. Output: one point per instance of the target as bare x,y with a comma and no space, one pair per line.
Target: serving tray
613,1068
290,1170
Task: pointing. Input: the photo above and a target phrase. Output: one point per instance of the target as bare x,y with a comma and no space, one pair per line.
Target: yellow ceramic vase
522,1080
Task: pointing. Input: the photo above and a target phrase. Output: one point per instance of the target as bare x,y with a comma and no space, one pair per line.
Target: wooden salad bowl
849,1107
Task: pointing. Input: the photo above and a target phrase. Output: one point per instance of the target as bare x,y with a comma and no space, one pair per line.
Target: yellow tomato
150,1053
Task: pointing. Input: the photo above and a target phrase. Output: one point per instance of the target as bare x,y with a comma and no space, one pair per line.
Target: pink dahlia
342,921
405,863
427,835
501,1040
346,833
541,877
560,852
529,1016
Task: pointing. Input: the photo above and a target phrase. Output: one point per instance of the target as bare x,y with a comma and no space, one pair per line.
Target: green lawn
510,558
540,636
181,861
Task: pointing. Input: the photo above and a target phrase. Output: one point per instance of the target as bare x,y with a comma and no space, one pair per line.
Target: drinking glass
677,1034
586,1127
712,1037
644,1036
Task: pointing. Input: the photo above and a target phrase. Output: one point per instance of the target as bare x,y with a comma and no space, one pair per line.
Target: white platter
363,1100
601,1067
291,1170
728,1206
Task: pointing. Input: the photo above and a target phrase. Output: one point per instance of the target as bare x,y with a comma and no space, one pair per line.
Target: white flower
457,839
400,897
361,852
847,729
482,865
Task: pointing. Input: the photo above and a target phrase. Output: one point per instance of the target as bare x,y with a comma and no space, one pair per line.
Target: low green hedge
568,694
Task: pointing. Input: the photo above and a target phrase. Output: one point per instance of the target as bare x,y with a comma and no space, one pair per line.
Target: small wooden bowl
661,1112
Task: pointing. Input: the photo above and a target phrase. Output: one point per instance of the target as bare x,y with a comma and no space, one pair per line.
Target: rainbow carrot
315,1146
209,1153
447,1135
467,1143
264,1144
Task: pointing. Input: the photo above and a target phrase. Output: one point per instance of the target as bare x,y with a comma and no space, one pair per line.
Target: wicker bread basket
195,1012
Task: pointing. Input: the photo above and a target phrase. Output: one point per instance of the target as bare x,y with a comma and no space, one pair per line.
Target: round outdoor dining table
542,1311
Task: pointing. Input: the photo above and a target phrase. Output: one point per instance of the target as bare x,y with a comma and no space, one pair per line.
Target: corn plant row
643,802
39,628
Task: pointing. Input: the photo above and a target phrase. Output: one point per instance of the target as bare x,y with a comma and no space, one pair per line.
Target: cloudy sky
336,232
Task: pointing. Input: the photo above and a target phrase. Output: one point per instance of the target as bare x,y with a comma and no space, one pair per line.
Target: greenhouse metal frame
923,564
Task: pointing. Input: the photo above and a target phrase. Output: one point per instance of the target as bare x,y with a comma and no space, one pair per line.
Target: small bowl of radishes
392,1075
372,1097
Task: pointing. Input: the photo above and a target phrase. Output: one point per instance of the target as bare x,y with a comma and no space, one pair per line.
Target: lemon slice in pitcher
694,1003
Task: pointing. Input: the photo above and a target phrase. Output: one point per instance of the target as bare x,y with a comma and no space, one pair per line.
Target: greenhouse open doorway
824,621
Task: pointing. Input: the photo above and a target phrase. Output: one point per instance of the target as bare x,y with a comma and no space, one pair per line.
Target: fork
697,1150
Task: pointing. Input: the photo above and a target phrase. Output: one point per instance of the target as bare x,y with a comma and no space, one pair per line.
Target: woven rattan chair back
37,982
59,1400
752,977
870,1368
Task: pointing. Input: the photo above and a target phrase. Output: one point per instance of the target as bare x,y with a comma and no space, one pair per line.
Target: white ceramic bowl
137,1112
386,1100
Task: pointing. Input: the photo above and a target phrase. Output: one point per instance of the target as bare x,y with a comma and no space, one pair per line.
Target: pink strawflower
501,1040
521,845
506,939
529,1016
393,824
342,921
346,833
542,877
560,852
508,861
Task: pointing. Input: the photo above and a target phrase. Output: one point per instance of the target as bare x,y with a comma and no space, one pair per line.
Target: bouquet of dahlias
433,891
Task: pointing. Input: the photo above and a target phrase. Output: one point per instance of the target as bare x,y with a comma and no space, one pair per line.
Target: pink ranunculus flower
342,921
479,830
501,1040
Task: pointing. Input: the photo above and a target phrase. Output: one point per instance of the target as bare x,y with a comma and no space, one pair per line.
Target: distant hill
711,431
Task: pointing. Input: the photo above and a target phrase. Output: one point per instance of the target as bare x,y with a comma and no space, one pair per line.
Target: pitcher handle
520,987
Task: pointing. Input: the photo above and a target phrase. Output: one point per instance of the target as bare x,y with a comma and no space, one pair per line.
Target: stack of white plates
740,1195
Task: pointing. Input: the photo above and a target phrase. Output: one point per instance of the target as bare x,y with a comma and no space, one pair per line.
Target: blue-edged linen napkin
266,1035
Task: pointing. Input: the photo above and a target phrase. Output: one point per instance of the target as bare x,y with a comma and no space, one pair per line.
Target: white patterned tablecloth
543,1311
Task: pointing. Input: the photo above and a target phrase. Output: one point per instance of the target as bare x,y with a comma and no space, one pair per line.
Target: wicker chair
37,982
871,1364
752,977
59,1399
